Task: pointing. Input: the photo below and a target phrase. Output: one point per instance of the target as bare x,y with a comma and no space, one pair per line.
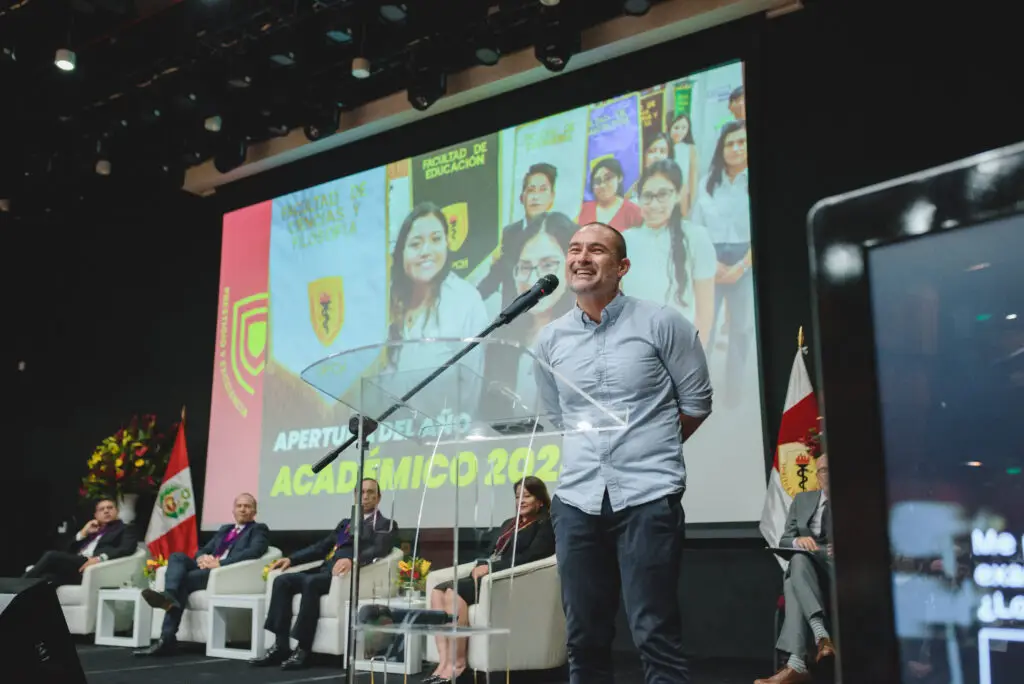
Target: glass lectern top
394,384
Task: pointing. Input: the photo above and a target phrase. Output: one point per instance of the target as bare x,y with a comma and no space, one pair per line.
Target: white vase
126,506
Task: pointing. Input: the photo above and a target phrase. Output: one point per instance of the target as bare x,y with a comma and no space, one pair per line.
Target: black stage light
636,8
427,87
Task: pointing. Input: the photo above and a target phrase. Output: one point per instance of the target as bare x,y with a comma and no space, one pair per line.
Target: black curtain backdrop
114,310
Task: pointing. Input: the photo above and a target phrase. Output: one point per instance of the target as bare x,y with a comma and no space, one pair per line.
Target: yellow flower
424,567
119,462
115,449
403,566
139,463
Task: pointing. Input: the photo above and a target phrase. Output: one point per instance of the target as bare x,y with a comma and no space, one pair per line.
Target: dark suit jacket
119,543
798,524
501,269
378,536
534,543
250,545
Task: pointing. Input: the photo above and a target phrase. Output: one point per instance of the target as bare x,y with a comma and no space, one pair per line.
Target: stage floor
106,665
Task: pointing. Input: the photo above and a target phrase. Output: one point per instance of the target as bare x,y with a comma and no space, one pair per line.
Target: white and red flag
172,527
793,468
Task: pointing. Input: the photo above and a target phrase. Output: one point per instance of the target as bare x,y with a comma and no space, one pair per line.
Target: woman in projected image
723,207
674,259
685,154
657,147
609,205
429,301
545,244
523,538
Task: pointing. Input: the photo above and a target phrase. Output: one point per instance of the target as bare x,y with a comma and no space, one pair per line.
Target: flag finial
183,408
799,338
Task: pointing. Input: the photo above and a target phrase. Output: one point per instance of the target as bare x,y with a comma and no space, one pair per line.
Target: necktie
826,521
228,542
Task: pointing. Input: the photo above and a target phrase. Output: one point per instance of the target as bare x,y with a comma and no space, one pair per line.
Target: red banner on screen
232,464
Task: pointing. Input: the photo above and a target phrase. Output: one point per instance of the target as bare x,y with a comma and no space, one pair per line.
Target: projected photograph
435,246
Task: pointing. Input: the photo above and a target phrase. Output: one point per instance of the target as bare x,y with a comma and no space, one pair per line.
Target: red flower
141,451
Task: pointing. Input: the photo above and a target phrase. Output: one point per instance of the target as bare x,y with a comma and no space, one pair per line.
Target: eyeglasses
606,179
524,269
662,196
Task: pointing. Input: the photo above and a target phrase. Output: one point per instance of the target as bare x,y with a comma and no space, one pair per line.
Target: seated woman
523,539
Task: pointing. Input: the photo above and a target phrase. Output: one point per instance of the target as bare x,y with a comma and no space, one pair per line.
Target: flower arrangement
412,573
152,565
128,462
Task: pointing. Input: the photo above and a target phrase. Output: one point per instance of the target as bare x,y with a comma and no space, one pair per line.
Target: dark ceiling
151,72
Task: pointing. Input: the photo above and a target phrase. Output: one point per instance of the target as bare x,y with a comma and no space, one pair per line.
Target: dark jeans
183,577
636,551
311,584
59,567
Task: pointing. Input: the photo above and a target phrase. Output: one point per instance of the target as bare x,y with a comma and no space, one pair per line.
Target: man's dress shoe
159,599
162,647
274,656
297,660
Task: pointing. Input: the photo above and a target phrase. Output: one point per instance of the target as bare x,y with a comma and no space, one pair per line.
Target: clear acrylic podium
397,389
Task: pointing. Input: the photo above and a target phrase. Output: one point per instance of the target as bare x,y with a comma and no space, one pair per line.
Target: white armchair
526,599
375,580
245,577
79,601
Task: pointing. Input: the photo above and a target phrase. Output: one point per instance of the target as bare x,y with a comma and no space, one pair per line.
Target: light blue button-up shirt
642,357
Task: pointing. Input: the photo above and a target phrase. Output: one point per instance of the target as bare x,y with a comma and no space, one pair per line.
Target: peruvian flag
172,527
789,474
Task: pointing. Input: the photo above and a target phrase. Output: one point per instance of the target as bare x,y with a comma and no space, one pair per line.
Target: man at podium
619,498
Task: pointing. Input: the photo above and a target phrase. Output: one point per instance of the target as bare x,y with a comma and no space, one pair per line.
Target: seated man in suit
378,536
101,539
809,527
245,540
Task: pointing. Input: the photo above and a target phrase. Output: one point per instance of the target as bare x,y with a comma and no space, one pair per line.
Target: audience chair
376,580
526,599
245,577
79,601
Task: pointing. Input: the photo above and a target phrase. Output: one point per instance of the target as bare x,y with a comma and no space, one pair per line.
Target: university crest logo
242,344
796,469
175,501
458,224
327,308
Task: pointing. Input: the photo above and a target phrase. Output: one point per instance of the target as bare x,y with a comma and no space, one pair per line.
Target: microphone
526,301
369,425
